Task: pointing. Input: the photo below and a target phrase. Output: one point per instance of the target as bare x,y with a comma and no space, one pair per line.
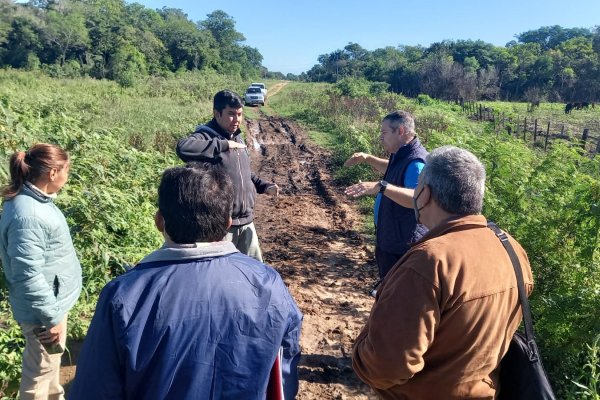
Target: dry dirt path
276,88
310,235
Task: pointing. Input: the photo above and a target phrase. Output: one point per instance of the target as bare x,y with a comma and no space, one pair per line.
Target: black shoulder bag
522,375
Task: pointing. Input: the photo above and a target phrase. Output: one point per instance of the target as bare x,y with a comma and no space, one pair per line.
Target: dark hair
195,201
401,118
31,165
226,98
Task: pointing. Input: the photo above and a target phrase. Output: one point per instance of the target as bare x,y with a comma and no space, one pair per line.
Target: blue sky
291,34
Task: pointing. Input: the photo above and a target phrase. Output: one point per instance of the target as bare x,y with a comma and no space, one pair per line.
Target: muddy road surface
310,234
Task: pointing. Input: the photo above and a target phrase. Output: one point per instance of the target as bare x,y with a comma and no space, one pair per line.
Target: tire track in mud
310,235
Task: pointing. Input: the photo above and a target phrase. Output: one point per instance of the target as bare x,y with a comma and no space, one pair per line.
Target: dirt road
276,88
310,235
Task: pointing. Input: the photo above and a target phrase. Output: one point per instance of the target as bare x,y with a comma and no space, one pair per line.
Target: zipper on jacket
242,180
56,285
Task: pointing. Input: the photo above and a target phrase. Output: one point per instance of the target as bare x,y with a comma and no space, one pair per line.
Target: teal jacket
38,258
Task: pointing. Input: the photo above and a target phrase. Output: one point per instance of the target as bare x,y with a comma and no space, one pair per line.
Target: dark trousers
385,261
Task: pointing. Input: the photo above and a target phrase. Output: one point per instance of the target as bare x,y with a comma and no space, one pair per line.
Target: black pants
385,261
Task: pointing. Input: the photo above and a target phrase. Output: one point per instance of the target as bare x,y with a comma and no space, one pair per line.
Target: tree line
550,63
110,39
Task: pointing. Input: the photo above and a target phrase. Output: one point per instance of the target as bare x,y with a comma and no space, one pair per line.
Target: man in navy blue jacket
195,319
395,222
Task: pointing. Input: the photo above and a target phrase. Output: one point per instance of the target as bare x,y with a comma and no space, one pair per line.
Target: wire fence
539,131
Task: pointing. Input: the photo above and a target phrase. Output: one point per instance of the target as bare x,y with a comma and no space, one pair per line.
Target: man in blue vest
396,227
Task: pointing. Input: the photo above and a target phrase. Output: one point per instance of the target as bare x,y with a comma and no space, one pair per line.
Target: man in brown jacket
444,315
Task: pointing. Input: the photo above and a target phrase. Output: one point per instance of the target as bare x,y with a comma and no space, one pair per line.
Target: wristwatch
382,186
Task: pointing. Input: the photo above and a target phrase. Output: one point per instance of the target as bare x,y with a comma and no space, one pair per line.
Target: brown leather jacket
444,316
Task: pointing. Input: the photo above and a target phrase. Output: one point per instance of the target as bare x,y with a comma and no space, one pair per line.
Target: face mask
416,209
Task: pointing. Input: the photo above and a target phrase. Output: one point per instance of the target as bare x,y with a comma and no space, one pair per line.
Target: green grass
548,200
121,140
571,124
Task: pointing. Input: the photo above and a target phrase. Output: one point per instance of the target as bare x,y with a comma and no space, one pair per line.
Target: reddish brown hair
32,164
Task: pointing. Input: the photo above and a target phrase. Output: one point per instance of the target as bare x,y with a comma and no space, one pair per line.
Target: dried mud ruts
310,235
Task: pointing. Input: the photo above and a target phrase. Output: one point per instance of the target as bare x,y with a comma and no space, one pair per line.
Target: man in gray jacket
220,141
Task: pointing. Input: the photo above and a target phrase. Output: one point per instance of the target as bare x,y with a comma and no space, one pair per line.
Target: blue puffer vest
396,225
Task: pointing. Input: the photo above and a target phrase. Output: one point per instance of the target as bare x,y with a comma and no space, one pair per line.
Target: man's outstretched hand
362,189
235,145
357,158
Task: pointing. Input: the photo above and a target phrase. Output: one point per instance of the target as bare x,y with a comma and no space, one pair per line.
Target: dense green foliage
115,40
120,141
549,63
549,201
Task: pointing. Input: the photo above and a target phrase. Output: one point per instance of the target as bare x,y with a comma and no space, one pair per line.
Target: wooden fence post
584,137
480,112
535,131
525,130
547,134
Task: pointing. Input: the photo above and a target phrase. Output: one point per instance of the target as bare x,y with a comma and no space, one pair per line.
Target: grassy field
121,140
549,200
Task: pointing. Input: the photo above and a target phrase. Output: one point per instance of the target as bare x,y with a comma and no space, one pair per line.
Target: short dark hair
401,118
195,201
226,98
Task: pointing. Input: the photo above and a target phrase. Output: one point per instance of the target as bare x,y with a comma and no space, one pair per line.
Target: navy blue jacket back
204,328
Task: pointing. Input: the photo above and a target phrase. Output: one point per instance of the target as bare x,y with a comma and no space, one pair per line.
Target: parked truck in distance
254,96
262,86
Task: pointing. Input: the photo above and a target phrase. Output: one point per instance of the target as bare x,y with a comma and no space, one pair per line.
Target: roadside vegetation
116,84
121,139
548,200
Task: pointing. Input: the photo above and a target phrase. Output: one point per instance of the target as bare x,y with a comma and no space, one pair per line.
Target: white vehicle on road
262,87
254,96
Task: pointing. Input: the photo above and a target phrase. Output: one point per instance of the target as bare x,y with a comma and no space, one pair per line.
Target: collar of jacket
455,224
406,149
32,191
191,251
214,125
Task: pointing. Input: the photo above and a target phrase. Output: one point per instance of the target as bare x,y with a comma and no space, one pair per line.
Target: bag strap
529,335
